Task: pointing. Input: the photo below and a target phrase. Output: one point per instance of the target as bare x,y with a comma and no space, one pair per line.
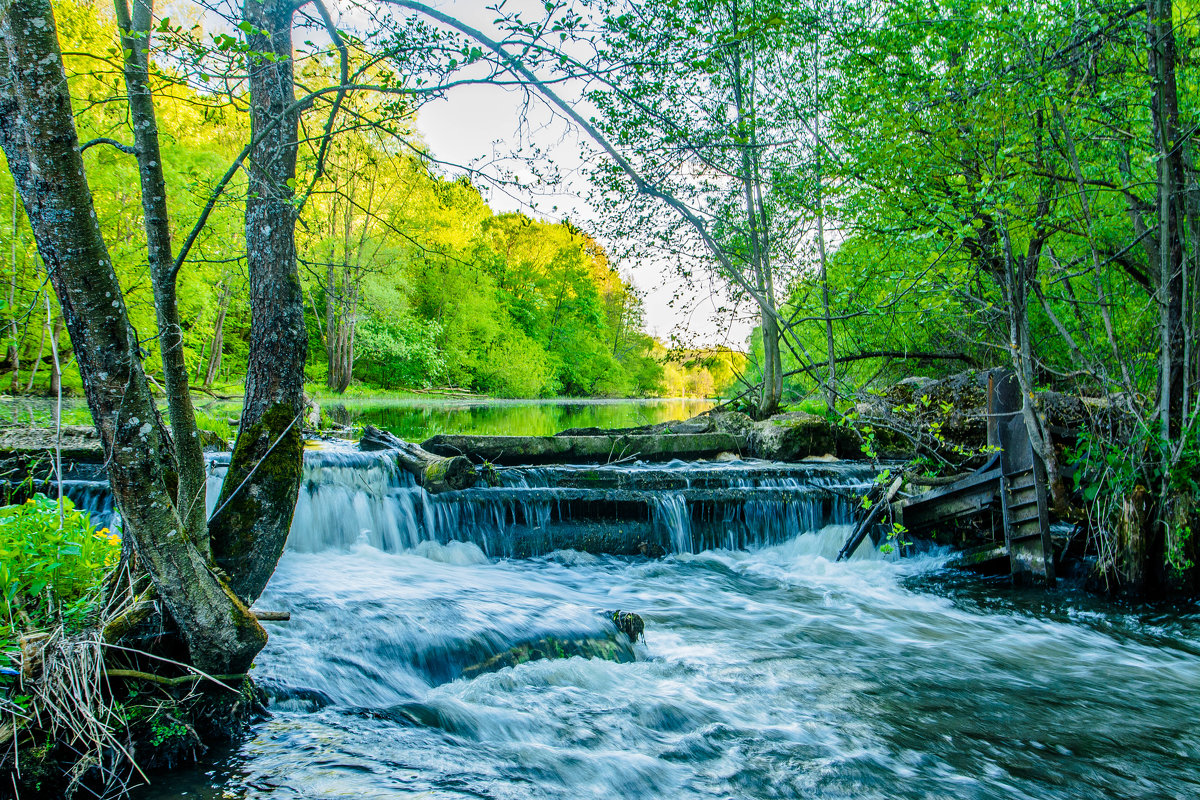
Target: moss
436,471
630,624
258,498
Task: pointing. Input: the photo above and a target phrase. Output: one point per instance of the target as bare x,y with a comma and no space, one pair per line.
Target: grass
217,422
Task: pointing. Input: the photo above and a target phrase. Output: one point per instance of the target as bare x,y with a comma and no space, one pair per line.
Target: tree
254,511
37,133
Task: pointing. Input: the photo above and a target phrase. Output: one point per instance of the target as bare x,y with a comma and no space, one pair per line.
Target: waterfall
349,498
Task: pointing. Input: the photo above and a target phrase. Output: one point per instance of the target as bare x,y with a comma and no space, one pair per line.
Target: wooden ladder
1023,495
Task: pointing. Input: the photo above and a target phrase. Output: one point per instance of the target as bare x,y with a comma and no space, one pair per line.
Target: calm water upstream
417,420
766,673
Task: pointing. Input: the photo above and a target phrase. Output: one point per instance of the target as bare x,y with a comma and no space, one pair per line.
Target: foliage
52,565
401,351
512,305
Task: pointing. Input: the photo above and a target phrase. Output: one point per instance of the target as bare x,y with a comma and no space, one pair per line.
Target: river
767,671
416,419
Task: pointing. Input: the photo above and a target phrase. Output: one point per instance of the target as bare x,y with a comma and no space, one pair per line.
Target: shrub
52,568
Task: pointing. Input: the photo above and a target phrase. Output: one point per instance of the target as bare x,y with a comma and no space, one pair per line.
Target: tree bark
37,132
1170,190
55,368
258,498
189,455
37,362
331,359
15,359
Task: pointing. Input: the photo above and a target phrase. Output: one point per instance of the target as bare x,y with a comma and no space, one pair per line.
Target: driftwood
879,503
436,473
585,449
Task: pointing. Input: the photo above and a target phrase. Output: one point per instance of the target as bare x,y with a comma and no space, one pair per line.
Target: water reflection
416,420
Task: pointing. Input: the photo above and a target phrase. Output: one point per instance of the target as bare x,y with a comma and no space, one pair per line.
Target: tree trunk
37,132
258,498
331,379
349,320
189,455
218,338
55,367
1170,192
772,389
37,362
15,359
1170,186
1132,538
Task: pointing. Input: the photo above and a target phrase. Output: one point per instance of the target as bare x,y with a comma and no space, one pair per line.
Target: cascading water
768,670
349,497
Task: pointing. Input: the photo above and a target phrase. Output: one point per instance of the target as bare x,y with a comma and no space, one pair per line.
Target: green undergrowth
52,569
215,422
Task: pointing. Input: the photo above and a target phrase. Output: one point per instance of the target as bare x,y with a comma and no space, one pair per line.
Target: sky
479,125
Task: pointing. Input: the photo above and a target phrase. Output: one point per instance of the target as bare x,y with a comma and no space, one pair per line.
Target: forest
895,198
410,280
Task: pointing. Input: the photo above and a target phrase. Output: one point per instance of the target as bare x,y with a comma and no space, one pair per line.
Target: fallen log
78,442
436,473
584,449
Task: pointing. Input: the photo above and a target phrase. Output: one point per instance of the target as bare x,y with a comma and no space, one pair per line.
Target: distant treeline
411,280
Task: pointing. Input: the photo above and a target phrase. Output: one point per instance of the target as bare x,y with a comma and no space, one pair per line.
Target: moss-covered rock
616,647
797,436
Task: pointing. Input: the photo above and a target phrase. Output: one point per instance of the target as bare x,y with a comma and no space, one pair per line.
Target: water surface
766,673
416,420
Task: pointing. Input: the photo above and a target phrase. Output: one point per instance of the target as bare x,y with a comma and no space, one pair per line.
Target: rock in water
610,648
630,624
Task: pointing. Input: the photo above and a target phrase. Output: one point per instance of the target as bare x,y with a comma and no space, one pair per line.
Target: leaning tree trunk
258,498
218,338
37,133
189,456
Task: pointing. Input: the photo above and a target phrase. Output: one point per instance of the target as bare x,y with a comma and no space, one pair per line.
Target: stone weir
351,498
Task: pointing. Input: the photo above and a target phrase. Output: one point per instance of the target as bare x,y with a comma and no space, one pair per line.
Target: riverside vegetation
242,204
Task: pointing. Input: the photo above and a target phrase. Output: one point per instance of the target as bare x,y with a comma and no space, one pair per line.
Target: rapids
768,671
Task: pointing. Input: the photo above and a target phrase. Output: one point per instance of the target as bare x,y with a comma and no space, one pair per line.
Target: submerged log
436,473
617,646
584,449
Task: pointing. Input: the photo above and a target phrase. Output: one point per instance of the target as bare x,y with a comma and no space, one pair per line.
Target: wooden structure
1012,482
